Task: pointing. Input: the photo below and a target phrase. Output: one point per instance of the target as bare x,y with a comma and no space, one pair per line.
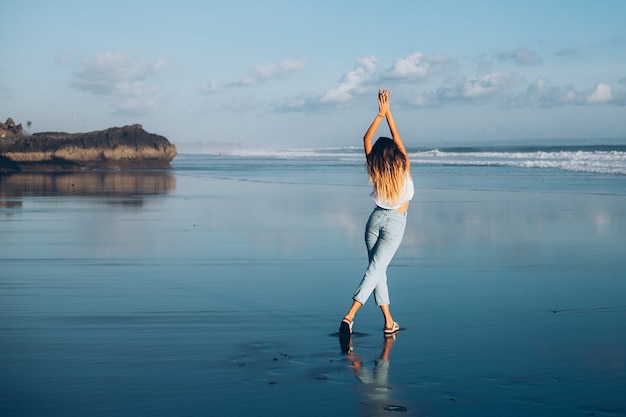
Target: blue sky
305,74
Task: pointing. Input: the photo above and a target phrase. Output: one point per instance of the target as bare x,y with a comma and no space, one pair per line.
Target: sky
305,74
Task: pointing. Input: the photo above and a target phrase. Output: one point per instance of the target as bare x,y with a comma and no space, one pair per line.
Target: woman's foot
346,326
392,329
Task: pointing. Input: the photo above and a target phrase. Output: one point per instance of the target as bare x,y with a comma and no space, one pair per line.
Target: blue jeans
383,234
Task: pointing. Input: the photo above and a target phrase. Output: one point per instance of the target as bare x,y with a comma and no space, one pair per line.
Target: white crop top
405,195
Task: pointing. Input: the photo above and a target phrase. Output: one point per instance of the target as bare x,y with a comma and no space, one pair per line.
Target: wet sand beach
161,294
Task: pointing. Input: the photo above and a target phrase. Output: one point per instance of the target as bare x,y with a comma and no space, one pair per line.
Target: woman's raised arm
396,136
383,109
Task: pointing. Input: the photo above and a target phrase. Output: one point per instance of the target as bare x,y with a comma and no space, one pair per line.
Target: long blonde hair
387,169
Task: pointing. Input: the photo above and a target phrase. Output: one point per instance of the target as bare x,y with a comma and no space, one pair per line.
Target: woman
388,167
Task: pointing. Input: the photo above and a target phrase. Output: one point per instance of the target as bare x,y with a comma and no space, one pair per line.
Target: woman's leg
371,236
387,316
352,312
384,234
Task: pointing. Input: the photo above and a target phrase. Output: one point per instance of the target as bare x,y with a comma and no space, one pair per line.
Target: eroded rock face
10,129
129,147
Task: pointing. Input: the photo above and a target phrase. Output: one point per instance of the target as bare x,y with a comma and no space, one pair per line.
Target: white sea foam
603,162
590,160
219,149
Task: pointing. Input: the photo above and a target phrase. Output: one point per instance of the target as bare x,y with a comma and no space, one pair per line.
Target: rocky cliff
129,147
10,129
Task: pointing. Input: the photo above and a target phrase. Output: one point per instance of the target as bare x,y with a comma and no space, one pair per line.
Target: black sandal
345,327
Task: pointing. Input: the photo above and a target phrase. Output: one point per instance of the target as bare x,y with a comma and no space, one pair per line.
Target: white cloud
417,66
472,89
602,93
122,78
352,82
543,93
520,56
271,71
507,90
483,85
258,75
504,90
294,104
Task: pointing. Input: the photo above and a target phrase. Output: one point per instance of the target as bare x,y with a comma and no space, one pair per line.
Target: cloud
294,104
485,87
121,78
504,90
519,56
271,71
417,66
258,75
567,52
542,93
601,94
352,84
472,89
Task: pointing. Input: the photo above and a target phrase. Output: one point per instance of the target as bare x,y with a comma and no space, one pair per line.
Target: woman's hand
383,102
383,111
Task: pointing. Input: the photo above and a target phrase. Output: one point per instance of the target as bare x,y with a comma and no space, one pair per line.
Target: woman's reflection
375,380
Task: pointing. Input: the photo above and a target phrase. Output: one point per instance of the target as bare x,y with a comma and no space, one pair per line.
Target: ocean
216,288
579,169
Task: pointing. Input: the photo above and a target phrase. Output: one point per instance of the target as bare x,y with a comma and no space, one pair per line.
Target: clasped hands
383,102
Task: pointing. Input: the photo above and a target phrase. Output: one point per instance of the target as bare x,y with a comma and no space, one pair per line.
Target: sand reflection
84,184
